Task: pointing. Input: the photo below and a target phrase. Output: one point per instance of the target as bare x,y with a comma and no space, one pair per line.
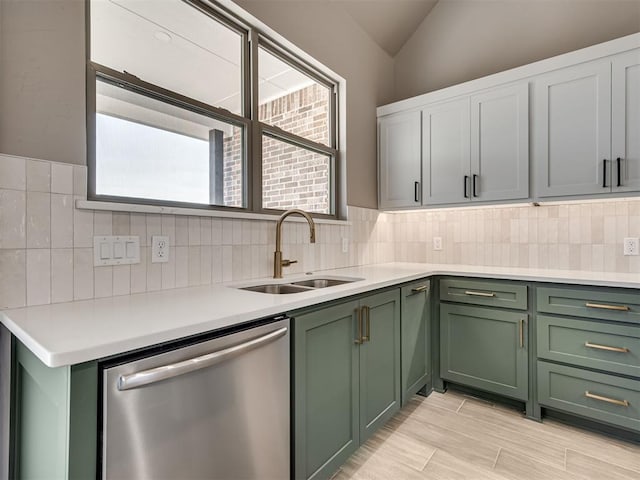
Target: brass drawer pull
359,340
622,403
606,347
419,289
621,308
479,294
367,311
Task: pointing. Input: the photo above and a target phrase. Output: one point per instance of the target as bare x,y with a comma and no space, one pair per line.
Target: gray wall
42,92
327,33
465,39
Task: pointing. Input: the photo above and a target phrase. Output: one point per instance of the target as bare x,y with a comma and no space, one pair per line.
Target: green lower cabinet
345,386
55,411
415,326
485,348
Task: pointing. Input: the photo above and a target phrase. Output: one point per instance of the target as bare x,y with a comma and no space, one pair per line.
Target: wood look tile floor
452,436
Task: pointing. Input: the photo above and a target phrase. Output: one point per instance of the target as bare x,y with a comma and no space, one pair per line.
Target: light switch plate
116,250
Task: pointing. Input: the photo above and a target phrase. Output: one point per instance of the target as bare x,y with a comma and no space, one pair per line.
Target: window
177,118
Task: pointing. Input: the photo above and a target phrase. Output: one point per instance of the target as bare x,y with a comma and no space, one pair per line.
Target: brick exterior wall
292,176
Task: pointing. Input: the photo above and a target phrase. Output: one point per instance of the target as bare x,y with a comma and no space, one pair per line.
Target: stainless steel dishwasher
215,409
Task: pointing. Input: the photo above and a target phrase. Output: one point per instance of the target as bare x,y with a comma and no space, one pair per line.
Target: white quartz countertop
75,332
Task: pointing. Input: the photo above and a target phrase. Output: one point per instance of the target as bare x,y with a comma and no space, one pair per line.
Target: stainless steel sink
277,288
298,286
321,282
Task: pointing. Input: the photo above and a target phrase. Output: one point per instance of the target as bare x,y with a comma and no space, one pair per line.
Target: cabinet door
500,144
484,348
415,322
625,122
379,361
399,160
572,123
445,153
325,390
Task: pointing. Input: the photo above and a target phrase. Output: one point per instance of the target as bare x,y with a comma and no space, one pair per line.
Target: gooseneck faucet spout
278,262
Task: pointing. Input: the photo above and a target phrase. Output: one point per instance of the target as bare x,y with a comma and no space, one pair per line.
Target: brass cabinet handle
621,308
606,347
367,311
521,332
419,289
479,294
622,403
359,340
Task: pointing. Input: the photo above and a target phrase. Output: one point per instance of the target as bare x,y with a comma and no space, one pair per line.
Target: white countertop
75,332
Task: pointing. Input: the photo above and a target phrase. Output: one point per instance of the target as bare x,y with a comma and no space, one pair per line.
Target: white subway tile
62,178
206,254
61,275
194,231
13,173
205,231
138,227
38,220
194,265
80,181
169,270
121,279
182,231
121,222
154,274
102,223
154,226
216,231
82,273
139,273
38,176
61,221
168,228
82,228
13,280
182,266
103,281
13,211
38,276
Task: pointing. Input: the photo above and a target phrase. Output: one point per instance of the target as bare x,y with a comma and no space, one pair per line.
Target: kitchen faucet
278,262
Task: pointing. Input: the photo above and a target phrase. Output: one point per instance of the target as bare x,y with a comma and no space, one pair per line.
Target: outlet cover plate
631,246
437,243
159,249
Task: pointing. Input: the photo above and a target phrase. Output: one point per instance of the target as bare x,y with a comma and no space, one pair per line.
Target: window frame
253,129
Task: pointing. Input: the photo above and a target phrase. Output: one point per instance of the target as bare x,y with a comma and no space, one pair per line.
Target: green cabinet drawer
484,348
599,304
596,396
598,345
486,293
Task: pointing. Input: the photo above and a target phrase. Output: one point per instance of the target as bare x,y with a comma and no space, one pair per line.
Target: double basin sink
298,286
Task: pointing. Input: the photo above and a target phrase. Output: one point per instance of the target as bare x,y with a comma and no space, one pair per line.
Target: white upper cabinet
399,173
587,128
625,122
500,144
445,153
572,122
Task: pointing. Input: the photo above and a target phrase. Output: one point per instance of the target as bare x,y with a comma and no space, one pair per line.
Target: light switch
118,250
105,251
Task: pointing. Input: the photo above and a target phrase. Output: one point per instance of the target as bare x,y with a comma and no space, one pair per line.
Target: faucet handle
286,263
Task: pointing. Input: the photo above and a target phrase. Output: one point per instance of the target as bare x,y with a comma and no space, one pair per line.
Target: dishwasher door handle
153,375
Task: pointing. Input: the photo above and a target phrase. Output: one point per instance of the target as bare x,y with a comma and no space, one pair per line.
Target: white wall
465,39
327,33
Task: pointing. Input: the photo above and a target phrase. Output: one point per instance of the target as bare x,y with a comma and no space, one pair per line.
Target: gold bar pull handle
620,308
606,347
615,401
367,315
359,340
479,294
521,331
419,289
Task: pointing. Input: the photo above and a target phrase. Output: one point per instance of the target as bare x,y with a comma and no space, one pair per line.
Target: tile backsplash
46,244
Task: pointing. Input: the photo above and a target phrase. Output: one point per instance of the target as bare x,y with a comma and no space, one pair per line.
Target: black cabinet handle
416,191
464,186
618,162
475,188
604,173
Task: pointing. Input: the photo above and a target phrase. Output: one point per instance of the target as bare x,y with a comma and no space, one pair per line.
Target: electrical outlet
437,243
159,249
631,246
